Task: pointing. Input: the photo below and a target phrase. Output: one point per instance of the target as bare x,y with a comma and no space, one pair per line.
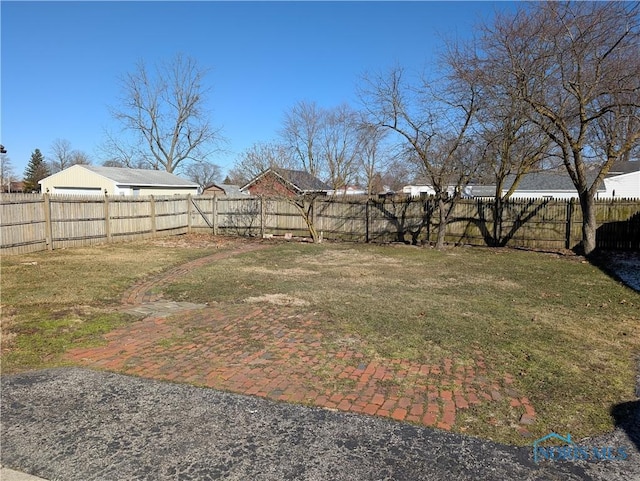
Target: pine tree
36,170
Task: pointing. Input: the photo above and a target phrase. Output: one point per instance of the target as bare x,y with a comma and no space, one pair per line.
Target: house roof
230,190
549,181
300,180
121,175
624,167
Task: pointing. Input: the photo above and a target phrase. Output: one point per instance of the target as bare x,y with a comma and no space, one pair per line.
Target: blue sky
61,60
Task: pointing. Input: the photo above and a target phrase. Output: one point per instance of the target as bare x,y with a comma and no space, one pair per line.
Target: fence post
262,217
48,232
152,208
366,226
314,217
214,215
567,243
189,213
107,218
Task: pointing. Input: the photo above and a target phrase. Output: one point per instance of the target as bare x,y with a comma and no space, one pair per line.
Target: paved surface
7,474
77,424
80,424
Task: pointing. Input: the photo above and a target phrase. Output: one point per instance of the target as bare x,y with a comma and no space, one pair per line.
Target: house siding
625,185
76,177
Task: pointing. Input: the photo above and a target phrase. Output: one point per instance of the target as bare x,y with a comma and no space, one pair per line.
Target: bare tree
166,111
339,144
373,156
203,173
119,151
7,174
575,65
60,155
434,130
301,130
260,157
78,157
63,156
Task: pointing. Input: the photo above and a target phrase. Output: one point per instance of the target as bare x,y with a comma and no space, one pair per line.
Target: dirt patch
195,241
278,300
295,272
351,257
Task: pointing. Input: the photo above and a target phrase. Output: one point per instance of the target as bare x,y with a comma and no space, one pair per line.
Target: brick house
285,182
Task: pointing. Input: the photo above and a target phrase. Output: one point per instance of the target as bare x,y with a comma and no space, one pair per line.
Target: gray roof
550,181
126,176
232,190
624,167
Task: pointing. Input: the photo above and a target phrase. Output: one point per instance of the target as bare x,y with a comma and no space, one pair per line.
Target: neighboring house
623,180
95,180
13,187
348,190
418,190
229,190
284,182
537,185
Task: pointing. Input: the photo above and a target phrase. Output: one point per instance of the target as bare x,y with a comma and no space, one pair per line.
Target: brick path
284,354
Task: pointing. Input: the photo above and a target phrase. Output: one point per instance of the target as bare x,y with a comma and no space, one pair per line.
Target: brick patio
286,354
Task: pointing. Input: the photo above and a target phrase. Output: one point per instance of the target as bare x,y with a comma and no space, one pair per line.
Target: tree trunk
589,225
442,224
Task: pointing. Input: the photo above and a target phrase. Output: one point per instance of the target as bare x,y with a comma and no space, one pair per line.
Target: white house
623,180
95,180
348,190
418,190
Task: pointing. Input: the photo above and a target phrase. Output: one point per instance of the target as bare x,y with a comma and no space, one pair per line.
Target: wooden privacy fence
33,222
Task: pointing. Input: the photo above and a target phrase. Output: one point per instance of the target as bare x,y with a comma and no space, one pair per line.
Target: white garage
96,180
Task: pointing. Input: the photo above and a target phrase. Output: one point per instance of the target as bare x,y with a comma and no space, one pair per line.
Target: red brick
416,410
378,399
371,409
336,398
449,417
446,395
399,414
388,405
429,419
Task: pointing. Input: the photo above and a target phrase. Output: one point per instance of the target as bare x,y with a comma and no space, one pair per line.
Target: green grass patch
53,301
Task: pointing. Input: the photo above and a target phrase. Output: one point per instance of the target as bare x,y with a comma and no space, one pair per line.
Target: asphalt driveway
78,424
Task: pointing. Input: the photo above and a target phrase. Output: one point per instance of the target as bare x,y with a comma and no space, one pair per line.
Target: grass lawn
564,330
567,332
